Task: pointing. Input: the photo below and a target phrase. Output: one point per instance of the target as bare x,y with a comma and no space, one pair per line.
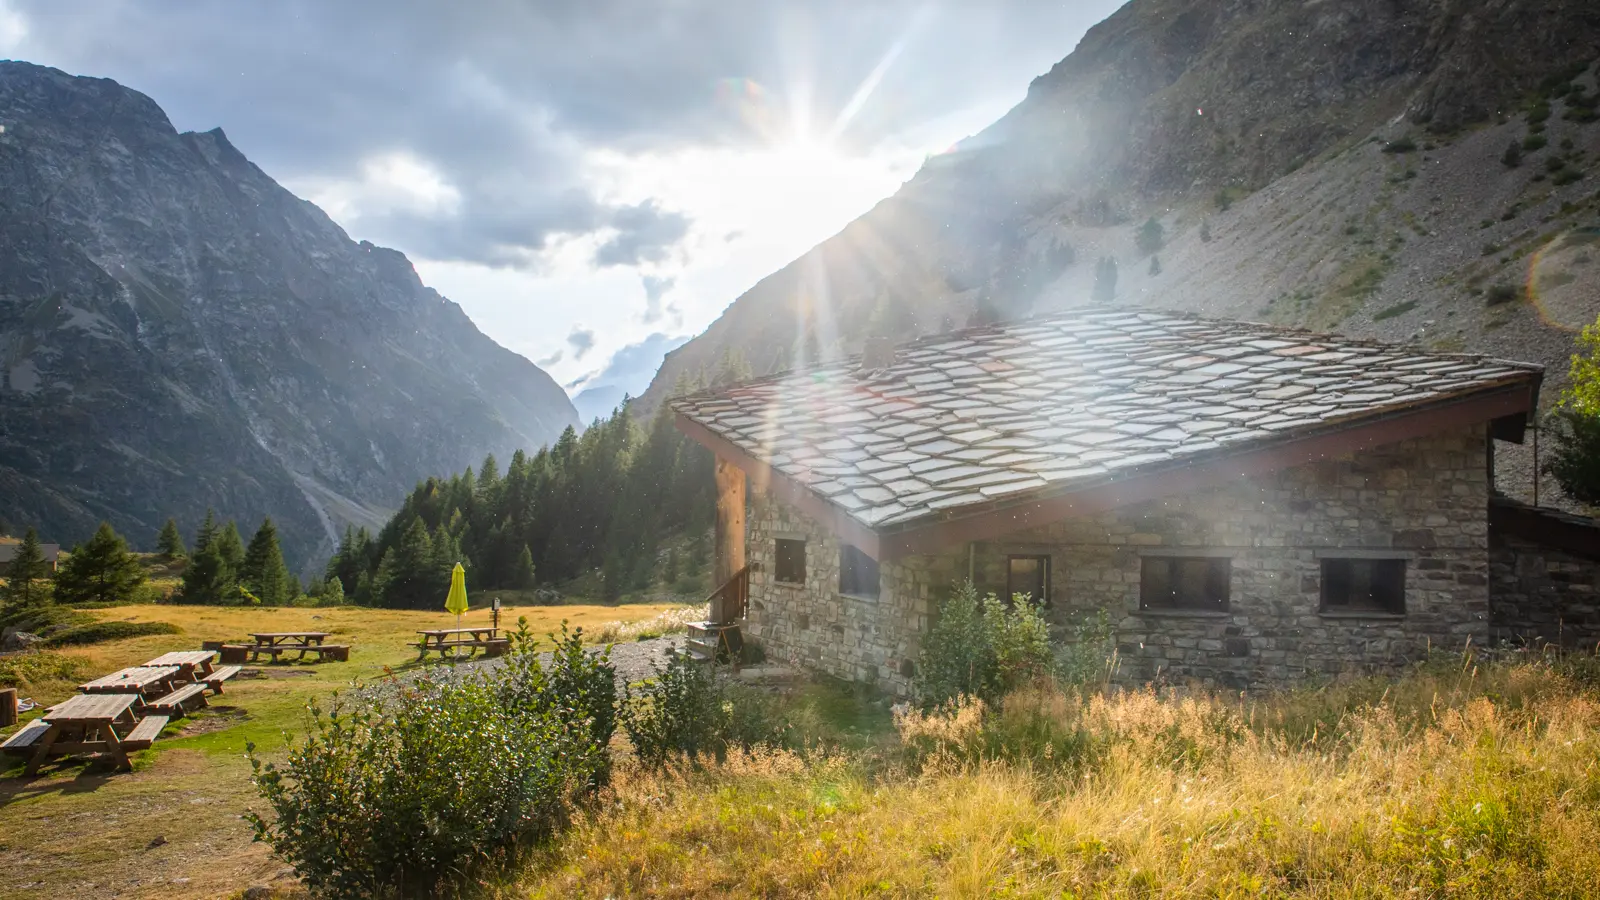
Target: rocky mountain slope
1336,165
178,332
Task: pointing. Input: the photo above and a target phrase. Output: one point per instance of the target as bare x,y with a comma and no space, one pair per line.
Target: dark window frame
1362,585
1185,583
1043,598
859,574
786,563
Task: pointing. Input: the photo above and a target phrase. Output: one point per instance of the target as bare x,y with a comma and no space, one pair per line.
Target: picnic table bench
277,643
197,667
106,724
443,640
147,681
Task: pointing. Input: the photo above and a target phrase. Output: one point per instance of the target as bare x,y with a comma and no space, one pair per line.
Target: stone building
1246,505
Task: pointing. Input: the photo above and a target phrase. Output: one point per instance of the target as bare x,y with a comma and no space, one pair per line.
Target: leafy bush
100,632
1566,177
435,778
1402,145
1502,293
681,710
1575,424
25,670
1534,142
578,689
982,648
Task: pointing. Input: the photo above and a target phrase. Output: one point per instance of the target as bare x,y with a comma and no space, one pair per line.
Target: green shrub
681,710
1401,145
1538,112
1566,177
100,632
436,779
1502,293
1088,650
576,688
25,670
982,648
1534,142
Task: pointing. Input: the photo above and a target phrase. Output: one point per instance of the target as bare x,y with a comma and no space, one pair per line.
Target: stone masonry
1424,501
1543,595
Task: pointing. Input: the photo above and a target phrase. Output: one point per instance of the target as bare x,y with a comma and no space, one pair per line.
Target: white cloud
13,28
388,183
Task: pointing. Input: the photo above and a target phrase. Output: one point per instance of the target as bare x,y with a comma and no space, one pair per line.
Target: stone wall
1544,595
1423,500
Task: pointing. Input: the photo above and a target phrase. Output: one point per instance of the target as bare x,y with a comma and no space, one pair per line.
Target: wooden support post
8,707
730,533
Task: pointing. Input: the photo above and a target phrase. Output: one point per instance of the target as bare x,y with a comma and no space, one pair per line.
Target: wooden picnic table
195,663
441,640
147,682
275,643
88,723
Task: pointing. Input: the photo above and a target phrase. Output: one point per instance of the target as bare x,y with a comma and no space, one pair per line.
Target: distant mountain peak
178,332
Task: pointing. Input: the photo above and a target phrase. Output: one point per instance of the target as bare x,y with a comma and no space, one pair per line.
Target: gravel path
634,661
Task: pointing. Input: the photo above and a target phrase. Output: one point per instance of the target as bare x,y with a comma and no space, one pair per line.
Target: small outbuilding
1248,504
8,552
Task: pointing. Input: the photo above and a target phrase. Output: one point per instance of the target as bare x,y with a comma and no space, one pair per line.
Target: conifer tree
101,570
263,572
207,532
332,593
23,574
523,576
208,578
170,543
230,546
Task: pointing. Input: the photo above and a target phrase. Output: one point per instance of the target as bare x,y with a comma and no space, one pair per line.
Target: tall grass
1462,780
671,621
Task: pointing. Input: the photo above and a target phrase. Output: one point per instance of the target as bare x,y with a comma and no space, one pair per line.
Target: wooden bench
241,653
181,701
216,677
145,733
23,741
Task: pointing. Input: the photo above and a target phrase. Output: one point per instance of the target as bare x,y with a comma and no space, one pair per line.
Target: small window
858,573
1364,585
1184,582
789,564
1028,575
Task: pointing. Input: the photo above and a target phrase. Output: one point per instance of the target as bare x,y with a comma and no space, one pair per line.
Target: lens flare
1549,271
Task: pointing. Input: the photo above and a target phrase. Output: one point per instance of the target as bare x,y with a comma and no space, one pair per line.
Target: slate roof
1008,412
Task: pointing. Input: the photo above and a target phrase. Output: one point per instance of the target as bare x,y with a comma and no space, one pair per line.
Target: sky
594,181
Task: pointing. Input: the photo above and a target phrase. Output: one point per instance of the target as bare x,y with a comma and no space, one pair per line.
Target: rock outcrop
178,331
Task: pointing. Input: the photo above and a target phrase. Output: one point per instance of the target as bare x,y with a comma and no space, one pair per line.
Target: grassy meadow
171,828
1454,782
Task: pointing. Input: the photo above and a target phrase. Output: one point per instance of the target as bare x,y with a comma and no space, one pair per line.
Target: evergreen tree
208,578
1151,236
523,576
408,576
1155,265
1513,155
24,573
262,571
170,543
1205,231
207,532
231,546
1105,280
100,571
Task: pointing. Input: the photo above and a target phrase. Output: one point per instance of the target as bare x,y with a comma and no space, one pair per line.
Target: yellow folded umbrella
457,601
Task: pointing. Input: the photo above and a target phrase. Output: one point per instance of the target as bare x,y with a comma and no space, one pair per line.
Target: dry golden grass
1469,783
80,832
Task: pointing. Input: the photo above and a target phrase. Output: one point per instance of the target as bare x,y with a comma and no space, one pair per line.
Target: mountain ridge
1334,166
181,332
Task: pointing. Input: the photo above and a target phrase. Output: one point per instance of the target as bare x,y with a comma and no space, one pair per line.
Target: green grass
82,830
